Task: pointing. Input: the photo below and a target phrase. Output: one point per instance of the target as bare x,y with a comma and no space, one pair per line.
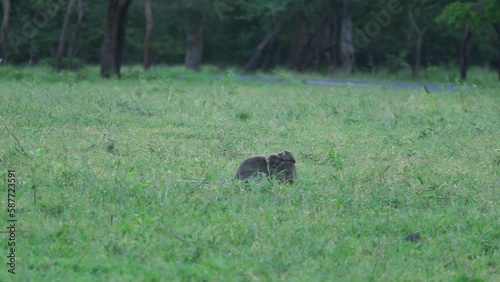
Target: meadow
132,180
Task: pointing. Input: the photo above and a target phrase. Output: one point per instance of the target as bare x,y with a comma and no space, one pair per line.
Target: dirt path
428,87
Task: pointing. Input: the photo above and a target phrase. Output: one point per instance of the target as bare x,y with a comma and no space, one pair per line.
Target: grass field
131,180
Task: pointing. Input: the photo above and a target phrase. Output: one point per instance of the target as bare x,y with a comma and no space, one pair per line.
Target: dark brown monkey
286,170
412,237
281,166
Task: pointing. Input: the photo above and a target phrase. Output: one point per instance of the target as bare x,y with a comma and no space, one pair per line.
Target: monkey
255,166
280,166
286,168
412,237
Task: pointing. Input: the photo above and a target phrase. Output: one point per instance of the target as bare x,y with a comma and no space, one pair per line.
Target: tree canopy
302,35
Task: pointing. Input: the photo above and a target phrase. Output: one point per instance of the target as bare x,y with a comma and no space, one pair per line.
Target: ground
133,179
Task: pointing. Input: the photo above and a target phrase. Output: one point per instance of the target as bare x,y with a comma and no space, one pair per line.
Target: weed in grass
229,84
243,116
335,159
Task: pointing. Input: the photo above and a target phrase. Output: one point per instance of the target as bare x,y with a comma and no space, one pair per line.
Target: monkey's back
252,167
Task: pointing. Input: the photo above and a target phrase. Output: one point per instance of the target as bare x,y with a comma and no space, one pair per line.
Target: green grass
476,76
119,170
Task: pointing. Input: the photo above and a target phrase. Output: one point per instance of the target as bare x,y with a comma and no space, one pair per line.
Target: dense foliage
232,29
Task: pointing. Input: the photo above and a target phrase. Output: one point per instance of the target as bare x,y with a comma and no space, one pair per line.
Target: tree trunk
5,29
497,30
297,51
147,38
62,37
256,59
114,35
269,61
315,46
331,50
194,39
347,56
418,55
464,52
418,43
74,41
409,35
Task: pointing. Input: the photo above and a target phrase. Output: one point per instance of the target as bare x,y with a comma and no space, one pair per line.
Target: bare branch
20,149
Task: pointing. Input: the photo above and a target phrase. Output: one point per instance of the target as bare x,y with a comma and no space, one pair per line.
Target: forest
316,35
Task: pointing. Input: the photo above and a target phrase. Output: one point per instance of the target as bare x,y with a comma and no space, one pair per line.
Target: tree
421,19
309,28
270,16
298,50
147,38
259,53
420,32
310,43
76,33
5,28
469,15
464,52
496,26
62,38
194,36
347,50
331,50
114,34
491,15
